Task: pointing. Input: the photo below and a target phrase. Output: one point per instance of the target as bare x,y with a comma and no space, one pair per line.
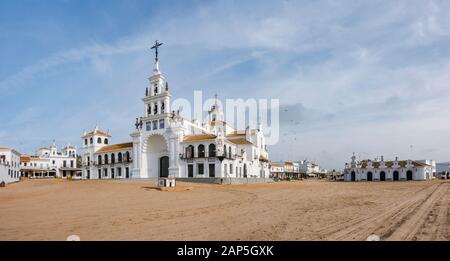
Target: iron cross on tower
156,46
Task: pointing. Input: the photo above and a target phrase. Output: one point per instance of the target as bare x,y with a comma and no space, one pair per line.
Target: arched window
155,109
106,159
113,158
201,151
99,140
105,141
119,157
189,151
229,152
85,141
212,150
155,89
91,140
127,156
149,110
99,159
162,107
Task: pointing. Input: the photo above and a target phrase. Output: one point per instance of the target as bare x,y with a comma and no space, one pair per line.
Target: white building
367,170
286,170
9,165
103,161
443,170
276,169
48,162
164,144
310,168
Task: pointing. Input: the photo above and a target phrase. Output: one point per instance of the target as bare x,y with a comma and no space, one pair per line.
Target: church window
161,123
155,109
162,107
106,159
113,158
155,89
91,140
212,150
155,125
201,151
201,168
99,140
85,142
99,160
127,156
149,109
119,157
148,125
106,141
190,152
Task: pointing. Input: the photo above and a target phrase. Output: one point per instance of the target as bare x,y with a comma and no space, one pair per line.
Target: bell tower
157,99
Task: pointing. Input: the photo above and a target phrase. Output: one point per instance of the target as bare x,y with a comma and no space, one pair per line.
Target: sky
369,77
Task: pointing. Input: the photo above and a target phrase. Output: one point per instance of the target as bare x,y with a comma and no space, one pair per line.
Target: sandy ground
301,210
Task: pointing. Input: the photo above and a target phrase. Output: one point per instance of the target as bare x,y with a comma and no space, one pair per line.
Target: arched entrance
382,176
409,175
164,167
353,176
395,175
369,176
155,160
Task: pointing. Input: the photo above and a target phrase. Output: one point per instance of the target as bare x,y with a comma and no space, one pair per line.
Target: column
167,104
159,107
152,105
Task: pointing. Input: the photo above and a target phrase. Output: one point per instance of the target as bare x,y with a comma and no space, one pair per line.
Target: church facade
164,144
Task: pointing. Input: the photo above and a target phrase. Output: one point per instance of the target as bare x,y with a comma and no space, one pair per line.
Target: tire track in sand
353,228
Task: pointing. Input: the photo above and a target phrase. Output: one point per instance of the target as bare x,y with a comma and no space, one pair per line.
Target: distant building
48,162
368,170
286,170
276,169
443,170
9,165
310,168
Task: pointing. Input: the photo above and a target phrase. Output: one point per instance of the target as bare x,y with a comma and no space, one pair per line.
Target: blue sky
370,77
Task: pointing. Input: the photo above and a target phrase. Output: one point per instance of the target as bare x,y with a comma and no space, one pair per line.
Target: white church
164,144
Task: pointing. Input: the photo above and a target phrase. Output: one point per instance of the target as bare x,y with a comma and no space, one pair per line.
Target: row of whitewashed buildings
295,169
391,170
162,144
47,162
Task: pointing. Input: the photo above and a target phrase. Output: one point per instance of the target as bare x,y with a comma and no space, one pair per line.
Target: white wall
10,167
